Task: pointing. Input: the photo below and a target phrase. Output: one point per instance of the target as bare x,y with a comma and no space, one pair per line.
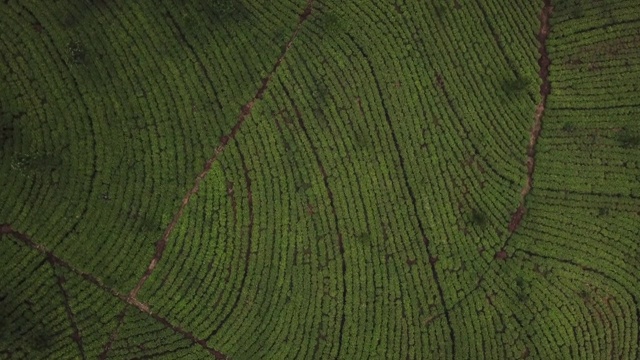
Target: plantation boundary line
114,335
545,90
60,280
425,239
325,179
244,114
6,229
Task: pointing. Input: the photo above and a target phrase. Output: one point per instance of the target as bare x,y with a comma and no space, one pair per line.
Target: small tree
515,86
568,127
628,139
478,218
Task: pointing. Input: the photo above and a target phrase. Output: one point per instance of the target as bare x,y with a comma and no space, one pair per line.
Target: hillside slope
320,179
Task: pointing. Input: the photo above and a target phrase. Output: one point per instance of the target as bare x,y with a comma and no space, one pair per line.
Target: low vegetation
319,179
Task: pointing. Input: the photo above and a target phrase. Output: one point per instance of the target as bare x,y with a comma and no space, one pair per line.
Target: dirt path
76,336
545,90
161,244
244,114
114,336
54,261
6,229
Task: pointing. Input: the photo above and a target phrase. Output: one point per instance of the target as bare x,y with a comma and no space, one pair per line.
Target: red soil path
545,90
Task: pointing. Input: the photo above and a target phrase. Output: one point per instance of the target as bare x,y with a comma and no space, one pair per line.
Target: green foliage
331,24
478,218
35,162
568,127
223,10
627,139
584,294
369,200
77,52
575,8
515,86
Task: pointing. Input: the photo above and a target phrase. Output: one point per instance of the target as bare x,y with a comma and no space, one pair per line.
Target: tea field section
320,179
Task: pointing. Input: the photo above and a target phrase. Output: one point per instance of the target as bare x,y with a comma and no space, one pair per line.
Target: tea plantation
320,179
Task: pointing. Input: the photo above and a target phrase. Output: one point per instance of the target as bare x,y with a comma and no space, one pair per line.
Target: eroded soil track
545,89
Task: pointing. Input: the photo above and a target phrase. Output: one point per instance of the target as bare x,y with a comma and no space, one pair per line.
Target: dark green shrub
77,52
515,86
628,139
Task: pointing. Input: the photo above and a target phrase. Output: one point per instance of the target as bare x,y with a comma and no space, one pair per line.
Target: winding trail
545,90
245,112
76,336
6,229
114,335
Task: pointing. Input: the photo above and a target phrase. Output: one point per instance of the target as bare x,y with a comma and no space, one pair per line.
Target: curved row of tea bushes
362,210
583,217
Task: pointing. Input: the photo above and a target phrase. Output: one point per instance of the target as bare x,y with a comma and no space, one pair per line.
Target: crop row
295,245
125,130
417,162
383,248
33,319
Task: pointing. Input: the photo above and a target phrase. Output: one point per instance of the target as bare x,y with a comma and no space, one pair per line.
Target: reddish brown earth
545,90
7,229
516,218
245,112
501,255
359,101
310,210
